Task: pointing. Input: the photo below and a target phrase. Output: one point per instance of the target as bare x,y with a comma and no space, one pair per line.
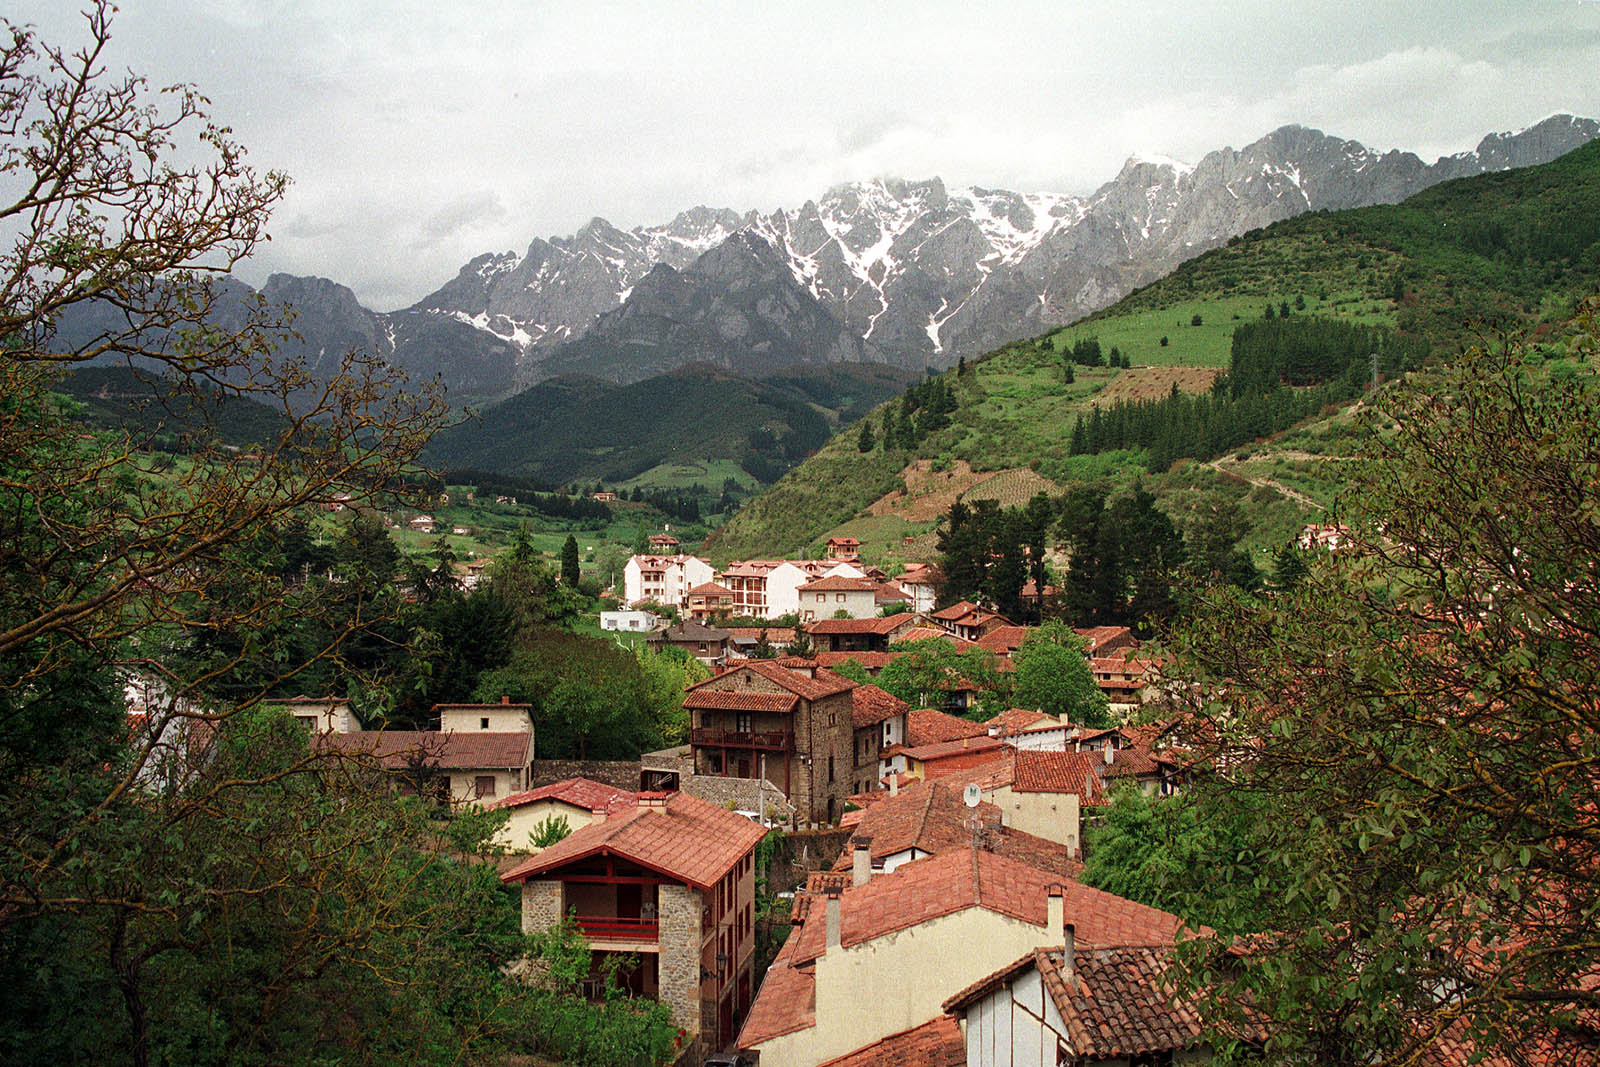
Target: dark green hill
1466,261
127,399
700,417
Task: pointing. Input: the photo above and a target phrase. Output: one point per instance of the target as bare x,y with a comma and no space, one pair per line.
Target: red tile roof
839,583
579,792
884,625
680,836
1004,640
730,700
927,633
825,684
928,816
955,881
452,751
945,749
871,661
955,611
872,705
937,1043
1118,1002
776,635
710,589
1103,639
1061,772
1137,761
925,726
1015,720
786,1001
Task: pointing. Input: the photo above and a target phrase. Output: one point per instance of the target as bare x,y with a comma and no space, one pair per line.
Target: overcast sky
419,133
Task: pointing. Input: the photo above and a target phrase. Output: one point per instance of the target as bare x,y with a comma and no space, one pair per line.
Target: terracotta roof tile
945,749
1061,772
786,1001
825,684
954,881
1004,640
839,583
1136,761
684,837
937,1043
1104,638
579,792
955,611
710,589
924,726
728,700
872,705
928,633
1016,720
872,661
883,625
776,635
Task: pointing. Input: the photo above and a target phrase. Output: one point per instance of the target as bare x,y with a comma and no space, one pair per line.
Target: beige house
879,956
825,598
578,801
321,715
481,752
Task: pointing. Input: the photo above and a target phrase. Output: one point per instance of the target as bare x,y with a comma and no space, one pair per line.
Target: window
744,722
839,598
484,785
483,723
830,768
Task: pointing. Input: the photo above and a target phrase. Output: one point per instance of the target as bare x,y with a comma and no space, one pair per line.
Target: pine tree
570,573
865,442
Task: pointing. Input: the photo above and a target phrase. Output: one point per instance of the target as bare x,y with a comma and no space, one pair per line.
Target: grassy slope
1498,252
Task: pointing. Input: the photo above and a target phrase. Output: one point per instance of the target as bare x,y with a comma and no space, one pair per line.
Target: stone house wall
680,914
541,905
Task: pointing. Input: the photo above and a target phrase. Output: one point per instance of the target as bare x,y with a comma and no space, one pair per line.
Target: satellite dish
971,795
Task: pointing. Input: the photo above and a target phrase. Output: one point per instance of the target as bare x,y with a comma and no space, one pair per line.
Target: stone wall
678,972
745,794
804,851
624,774
541,905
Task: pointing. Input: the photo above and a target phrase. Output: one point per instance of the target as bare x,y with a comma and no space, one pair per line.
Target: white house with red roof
667,880
576,801
480,753
825,598
655,578
770,588
880,957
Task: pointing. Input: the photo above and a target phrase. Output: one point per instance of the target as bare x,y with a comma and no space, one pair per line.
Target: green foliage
927,672
548,830
992,552
1052,675
1420,763
1124,556
570,570
618,1032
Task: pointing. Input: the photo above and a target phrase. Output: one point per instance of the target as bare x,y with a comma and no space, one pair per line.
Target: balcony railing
776,740
619,928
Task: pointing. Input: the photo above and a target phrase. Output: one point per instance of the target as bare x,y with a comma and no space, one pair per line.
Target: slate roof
452,751
579,792
872,705
1061,772
925,726
684,838
936,1043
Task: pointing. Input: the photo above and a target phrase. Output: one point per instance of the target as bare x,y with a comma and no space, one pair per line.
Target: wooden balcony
618,928
767,740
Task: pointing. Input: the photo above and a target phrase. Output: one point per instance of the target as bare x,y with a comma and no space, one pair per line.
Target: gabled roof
955,611
936,1043
740,700
1060,772
786,1001
839,583
690,630
1133,762
928,816
710,589
946,749
825,684
449,751
926,726
1017,720
1118,1001
582,793
965,878
678,835
871,705
1099,638
884,625
1004,640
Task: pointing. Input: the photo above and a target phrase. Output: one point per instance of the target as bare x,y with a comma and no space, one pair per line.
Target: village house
921,583
860,635
968,621
746,639
668,881
705,643
879,956
1025,728
663,579
320,715
826,598
770,588
575,801
632,621
940,758
815,735
708,600
480,752
663,544
845,549
422,524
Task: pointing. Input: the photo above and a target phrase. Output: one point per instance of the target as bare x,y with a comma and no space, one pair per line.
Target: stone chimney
834,918
1111,753
894,783
860,860
1055,914
656,801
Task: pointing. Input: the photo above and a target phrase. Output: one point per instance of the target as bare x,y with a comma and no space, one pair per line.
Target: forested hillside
1246,342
